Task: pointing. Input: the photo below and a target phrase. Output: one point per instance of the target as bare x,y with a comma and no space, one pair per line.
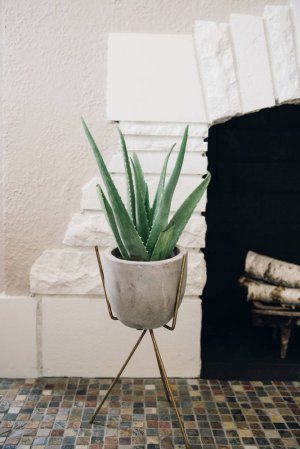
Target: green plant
144,232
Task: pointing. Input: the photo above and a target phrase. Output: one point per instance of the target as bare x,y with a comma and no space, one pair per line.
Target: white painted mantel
155,85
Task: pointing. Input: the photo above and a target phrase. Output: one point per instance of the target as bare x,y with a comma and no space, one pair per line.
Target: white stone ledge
79,339
280,33
217,71
164,144
163,129
92,229
75,272
186,184
18,337
193,164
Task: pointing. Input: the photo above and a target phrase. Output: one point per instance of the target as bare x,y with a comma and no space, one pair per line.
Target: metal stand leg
118,376
166,381
163,380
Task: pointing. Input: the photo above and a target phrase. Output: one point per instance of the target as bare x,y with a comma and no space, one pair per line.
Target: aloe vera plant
144,232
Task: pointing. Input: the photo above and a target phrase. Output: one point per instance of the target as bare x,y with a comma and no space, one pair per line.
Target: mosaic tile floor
54,413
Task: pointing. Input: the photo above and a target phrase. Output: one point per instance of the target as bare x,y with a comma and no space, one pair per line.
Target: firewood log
271,270
259,291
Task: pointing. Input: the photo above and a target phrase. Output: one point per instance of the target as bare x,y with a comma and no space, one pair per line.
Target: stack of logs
274,288
271,281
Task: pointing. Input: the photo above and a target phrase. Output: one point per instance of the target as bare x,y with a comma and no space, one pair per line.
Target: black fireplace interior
253,204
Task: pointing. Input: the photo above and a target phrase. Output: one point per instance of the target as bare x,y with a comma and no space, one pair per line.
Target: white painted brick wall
216,69
154,129
162,144
295,13
252,60
279,29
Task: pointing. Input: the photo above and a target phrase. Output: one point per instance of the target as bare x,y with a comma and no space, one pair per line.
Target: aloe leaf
130,238
140,174
164,247
106,207
130,188
161,217
163,243
161,185
143,185
141,214
147,203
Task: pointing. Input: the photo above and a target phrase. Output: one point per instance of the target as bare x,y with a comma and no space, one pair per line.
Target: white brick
18,348
193,235
196,278
163,129
163,144
295,12
89,230
193,164
66,271
216,65
153,77
186,184
254,74
280,34
79,339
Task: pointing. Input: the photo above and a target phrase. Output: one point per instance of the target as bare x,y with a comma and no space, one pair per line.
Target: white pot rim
110,256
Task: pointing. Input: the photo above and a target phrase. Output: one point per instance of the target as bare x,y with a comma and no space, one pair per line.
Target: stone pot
142,294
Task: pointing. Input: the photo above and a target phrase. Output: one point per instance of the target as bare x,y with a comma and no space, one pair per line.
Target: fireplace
253,204
156,84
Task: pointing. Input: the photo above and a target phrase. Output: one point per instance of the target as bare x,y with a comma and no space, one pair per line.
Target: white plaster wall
1,169
54,70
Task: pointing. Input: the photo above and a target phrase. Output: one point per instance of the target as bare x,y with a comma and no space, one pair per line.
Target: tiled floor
54,413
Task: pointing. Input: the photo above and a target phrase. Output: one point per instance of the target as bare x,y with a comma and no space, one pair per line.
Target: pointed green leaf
130,188
106,207
147,204
180,219
163,243
161,185
130,238
163,207
141,214
143,185
140,174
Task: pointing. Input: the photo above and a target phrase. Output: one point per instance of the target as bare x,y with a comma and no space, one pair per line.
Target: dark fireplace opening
253,204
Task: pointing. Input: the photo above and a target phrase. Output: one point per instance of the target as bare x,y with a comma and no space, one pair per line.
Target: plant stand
163,374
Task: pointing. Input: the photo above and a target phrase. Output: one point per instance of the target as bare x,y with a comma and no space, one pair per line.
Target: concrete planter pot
142,294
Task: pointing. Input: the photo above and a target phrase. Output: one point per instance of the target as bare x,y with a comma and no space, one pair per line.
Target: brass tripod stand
163,374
